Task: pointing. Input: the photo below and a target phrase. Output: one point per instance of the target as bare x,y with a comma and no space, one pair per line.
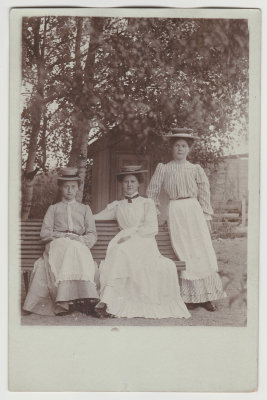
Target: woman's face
130,185
180,150
69,190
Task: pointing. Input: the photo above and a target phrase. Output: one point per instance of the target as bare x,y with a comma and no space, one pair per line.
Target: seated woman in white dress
135,279
66,271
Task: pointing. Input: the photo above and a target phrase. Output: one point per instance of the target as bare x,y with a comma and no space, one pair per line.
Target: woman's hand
209,226
123,239
73,236
47,239
161,220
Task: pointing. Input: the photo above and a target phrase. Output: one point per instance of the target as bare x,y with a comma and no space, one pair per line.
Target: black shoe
101,312
62,313
208,306
24,312
191,306
72,308
88,306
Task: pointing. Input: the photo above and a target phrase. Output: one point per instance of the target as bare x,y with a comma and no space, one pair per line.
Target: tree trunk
84,100
37,111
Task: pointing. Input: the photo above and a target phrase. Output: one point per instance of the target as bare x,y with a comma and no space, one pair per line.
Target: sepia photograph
134,206
134,170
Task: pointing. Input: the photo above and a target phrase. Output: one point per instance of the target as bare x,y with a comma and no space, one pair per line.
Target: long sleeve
155,183
109,213
150,226
90,236
47,230
204,192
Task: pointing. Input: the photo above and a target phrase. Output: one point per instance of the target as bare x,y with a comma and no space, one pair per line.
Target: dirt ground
231,311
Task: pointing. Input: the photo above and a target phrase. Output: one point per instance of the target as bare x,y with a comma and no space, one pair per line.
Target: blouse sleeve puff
203,191
155,184
109,213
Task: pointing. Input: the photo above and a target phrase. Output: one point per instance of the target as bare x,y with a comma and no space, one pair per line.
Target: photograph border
121,338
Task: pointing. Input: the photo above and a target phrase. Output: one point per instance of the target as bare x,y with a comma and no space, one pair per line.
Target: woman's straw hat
130,170
182,133
69,174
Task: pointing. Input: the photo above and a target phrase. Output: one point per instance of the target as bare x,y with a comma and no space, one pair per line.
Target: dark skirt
44,298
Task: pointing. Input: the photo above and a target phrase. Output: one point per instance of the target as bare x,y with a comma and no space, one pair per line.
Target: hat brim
131,172
69,179
181,136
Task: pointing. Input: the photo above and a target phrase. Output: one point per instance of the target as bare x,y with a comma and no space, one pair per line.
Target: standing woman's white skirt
192,243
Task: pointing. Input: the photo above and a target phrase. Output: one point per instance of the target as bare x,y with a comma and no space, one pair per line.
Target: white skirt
70,260
65,272
192,243
137,281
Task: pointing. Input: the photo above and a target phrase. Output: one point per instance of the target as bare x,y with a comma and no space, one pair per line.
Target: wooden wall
105,186
228,181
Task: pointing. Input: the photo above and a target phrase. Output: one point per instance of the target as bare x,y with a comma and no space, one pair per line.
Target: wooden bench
32,248
231,211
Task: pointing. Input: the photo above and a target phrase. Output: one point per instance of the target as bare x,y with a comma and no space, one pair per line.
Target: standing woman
66,271
189,216
135,279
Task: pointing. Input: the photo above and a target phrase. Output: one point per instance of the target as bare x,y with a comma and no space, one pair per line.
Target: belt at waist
69,232
182,198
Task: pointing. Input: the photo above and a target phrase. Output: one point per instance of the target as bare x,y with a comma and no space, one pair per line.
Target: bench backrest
32,248
234,206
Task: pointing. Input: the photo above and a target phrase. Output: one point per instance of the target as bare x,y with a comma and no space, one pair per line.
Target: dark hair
139,177
190,142
59,194
60,182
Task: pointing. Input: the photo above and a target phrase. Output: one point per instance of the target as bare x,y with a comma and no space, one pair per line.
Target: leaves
143,76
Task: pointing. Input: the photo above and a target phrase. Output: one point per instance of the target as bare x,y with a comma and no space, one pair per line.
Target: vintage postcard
134,199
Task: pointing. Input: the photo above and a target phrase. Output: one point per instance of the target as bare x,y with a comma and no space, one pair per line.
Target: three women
135,279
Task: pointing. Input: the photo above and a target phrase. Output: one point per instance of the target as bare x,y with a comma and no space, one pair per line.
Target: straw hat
130,170
182,133
69,174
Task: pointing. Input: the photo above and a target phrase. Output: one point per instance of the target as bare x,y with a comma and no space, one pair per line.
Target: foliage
142,76
44,193
161,73
52,59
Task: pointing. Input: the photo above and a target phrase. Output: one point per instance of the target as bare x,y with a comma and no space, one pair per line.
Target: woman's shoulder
51,210
196,167
52,207
161,166
84,207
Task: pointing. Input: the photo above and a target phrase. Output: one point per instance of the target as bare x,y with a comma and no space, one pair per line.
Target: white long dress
135,279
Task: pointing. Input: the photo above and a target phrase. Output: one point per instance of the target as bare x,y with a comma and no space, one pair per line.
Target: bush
45,193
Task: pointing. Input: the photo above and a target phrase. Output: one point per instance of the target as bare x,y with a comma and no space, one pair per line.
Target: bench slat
32,247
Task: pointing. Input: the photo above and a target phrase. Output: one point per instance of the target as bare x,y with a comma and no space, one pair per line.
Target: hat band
69,176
